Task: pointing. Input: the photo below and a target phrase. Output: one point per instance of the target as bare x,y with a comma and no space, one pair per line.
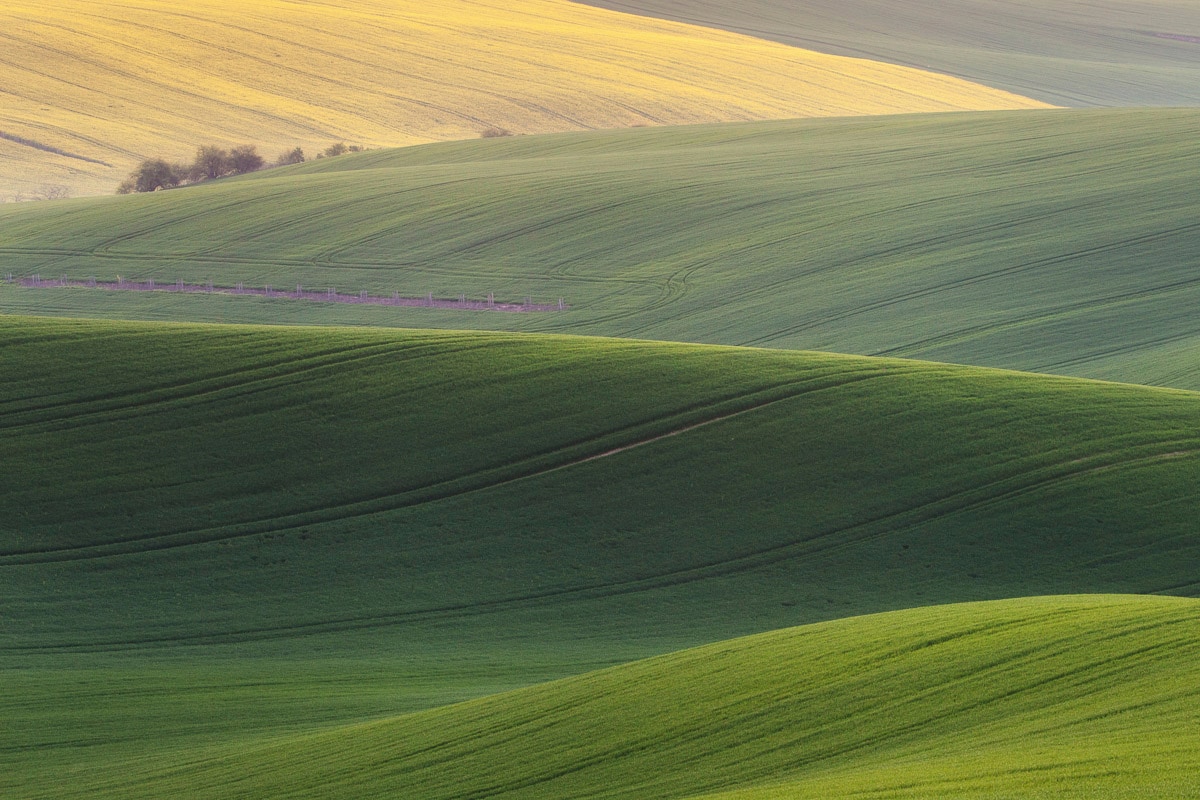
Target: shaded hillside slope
216,536
1127,53
105,84
1059,241
1082,697
184,485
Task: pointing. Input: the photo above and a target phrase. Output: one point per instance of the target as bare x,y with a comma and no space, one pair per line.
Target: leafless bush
293,156
53,191
211,162
47,191
245,158
153,174
494,133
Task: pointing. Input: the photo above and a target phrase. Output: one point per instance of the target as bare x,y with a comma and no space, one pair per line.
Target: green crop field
1066,697
1050,241
1128,53
711,421
235,558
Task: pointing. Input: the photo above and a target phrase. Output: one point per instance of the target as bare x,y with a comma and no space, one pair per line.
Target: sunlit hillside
1052,241
1071,53
92,85
1049,697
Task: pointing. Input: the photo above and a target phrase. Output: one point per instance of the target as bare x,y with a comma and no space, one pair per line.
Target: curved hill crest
1121,54
245,550
1066,697
1050,241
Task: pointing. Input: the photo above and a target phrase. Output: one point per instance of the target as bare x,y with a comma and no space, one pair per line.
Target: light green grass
1065,53
1064,697
234,533
1060,241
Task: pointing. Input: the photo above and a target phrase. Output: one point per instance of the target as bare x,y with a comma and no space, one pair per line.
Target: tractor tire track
532,466
828,541
958,283
237,383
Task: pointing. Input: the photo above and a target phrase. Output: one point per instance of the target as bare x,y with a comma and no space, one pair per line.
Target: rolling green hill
1131,53
1064,697
220,536
463,467
1058,241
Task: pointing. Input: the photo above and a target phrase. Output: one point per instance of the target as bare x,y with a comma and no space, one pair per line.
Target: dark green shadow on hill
231,531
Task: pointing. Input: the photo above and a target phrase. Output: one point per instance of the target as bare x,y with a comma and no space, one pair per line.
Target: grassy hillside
222,536
1047,697
91,86
334,463
196,492
1131,53
1051,241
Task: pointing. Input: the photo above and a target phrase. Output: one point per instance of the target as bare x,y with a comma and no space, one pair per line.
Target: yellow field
116,80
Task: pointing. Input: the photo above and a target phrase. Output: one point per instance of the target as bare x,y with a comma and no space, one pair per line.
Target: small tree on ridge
245,158
293,156
151,175
211,162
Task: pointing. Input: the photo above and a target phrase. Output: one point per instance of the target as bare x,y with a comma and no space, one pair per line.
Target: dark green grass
1061,52
1079,697
395,477
223,533
1061,241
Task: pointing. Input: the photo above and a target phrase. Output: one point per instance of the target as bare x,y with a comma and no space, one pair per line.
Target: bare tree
151,175
53,191
47,191
245,158
211,162
293,156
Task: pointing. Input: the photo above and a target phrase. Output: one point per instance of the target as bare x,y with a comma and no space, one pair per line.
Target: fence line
328,295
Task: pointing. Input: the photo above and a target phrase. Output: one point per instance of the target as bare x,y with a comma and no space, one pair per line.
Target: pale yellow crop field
106,82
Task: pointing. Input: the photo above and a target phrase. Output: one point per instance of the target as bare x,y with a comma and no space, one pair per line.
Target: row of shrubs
215,162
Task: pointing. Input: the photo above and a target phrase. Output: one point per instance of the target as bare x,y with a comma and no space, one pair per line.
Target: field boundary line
329,295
